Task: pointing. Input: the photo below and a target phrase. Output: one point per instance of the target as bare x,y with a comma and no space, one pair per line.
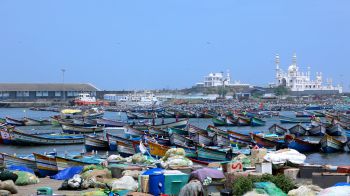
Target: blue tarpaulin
67,173
20,168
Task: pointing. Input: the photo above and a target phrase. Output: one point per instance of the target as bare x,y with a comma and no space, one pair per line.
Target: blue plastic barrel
156,183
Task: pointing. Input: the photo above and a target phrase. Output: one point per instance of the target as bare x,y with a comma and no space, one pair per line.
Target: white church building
299,81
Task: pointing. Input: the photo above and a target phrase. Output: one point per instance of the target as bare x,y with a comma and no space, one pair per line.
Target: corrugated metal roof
46,87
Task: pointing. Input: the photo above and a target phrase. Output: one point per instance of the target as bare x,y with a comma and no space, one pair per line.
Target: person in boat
153,121
162,120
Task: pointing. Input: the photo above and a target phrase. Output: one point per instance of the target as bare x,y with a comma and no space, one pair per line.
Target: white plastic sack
75,181
308,190
114,157
125,183
336,191
282,156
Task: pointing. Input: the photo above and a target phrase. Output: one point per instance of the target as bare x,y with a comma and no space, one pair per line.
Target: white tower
278,70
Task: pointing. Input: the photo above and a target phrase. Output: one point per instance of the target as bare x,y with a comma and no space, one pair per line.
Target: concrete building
298,81
43,91
219,79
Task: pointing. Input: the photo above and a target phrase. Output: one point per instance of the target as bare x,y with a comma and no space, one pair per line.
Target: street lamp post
63,89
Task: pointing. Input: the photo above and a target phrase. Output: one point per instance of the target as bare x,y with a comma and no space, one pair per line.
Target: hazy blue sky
170,44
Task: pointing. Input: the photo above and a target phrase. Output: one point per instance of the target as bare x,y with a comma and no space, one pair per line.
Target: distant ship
86,99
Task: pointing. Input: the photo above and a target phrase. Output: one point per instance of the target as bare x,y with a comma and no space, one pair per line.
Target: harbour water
315,158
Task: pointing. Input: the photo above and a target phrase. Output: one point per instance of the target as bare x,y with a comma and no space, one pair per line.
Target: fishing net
270,188
25,178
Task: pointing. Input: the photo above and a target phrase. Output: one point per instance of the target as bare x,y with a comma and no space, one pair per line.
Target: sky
157,44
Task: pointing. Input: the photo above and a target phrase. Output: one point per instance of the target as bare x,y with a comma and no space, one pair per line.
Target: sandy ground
44,182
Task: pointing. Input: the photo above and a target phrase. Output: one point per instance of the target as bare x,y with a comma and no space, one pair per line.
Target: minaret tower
294,60
278,70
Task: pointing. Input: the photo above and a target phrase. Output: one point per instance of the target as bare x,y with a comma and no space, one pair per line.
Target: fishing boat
65,162
212,130
297,130
9,160
20,138
302,114
284,119
125,147
257,122
261,141
33,122
172,130
158,132
46,165
14,122
179,124
208,154
221,140
335,130
192,130
242,121
157,149
277,129
239,135
179,140
5,135
131,132
329,144
68,128
219,122
200,138
236,141
93,143
109,123
319,130
231,122
302,145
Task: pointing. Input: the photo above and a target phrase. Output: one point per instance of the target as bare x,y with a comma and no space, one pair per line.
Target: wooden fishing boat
234,141
46,165
156,149
14,122
302,114
257,122
319,130
297,130
78,160
200,138
109,123
231,122
277,129
208,154
158,132
125,147
179,124
179,140
93,143
9,160
219,122
55,121
5,136
172,130
20,138
329,144
131,132
192,130
335,130
267,142
239,135
68,128
34,122
221,140
131,115
302,145
284,119
242,121
158,139
212,130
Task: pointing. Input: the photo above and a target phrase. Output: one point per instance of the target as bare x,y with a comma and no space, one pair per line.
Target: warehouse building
43,91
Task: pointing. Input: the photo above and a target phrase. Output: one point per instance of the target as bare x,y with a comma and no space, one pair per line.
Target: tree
281,90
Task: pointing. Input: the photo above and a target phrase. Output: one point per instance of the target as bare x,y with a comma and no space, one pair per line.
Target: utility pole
63,88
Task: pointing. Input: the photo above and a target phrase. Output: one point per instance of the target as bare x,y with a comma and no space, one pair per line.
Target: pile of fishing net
140,159
242,159
175,157
25,178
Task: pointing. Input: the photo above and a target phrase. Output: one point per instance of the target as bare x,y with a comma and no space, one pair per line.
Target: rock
5,193
9,185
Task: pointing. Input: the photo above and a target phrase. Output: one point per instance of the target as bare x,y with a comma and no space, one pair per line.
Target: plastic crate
174,182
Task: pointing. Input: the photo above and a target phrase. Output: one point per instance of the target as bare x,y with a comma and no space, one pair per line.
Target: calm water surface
316,158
